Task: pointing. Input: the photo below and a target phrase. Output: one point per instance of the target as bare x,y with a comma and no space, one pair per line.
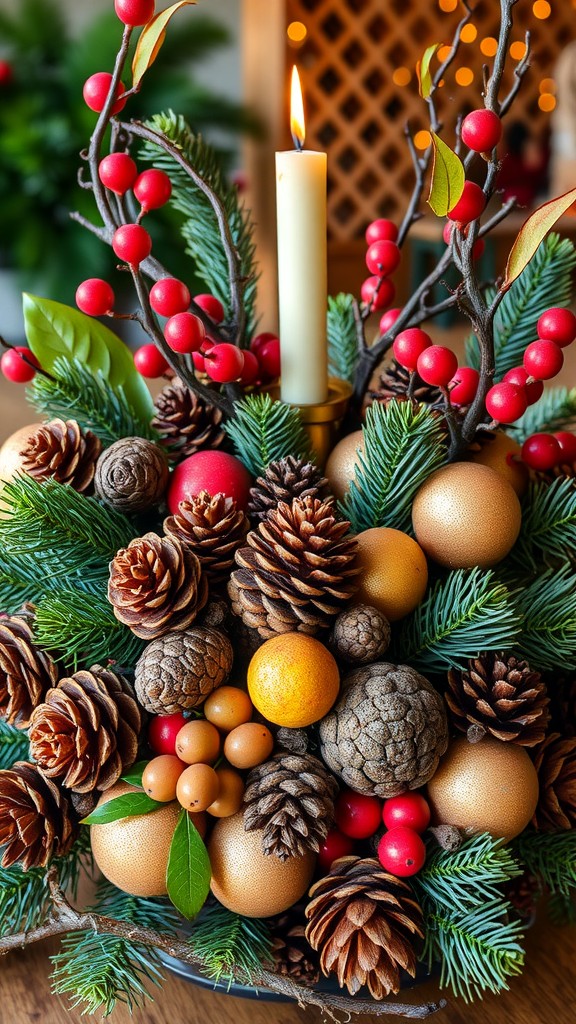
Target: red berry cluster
544,451
435,364
382,259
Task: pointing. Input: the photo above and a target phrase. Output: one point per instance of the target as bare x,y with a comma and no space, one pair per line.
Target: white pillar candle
302,265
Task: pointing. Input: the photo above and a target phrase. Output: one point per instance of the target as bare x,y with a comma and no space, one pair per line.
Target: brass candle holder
322,419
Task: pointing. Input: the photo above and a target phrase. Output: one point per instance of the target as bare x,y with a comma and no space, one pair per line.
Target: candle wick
298,144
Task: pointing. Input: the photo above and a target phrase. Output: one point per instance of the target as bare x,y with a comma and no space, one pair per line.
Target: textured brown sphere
10,458
247,881
466,515
394,573
342,463
501,452
133,853
488,786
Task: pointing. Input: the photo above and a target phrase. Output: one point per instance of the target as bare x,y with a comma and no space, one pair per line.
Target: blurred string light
541,9
464,76
548,85
296,32
402,76
468,33
489,46
518,50
547,102
422,139
447,5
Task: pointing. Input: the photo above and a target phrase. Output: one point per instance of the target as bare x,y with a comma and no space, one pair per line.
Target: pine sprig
343,352
550,856
548,531
263,431
547,605
555,410
231,947
403,444
467,612
469,877
19,581
13,744
82,628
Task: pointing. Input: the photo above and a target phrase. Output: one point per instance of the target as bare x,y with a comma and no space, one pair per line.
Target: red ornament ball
117,172
334,846
518,376
383,257
470,205
150,362
95,297
381,230
96,89
402,852
134,12
506,402
376,293
163,730
437,365
357,815
17,369
464,385
481,130
212,471
409,809
541,451
543,359
409,345
567,442
557,324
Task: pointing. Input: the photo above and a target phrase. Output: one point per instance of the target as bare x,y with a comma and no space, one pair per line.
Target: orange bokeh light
464,76
518,50
546,102
447,5
548,85
296,32
443,53
468,33
489,46
541,9
422,140
401,76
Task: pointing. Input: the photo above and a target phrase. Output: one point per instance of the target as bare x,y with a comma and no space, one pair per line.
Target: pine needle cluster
263,431
343,351
232,948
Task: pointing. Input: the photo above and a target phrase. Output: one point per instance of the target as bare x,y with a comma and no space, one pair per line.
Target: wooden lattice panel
357,62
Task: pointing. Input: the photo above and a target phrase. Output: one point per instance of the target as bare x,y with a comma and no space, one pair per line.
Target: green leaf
53,330
263,431
556,410
134,774
448,178
189,871
531,234
343,352
423,70
126,806
151,39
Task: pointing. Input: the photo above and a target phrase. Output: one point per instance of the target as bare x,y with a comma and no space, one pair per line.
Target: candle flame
297,123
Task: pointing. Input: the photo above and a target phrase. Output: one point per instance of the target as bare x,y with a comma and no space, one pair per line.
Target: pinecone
178,671
360,634
387,732
364,923
293,955
26,672
394,383
297,571
156,586
185,423
131,475
213,527
500,695
285,480
61,451
555,762
86,732
36,821
291,799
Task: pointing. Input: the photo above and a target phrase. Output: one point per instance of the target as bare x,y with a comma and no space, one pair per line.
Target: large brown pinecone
36,821
387,732
131,475
285,480
63,452
293,955
291,799
214,528
86,732
297,571
555,762
360,634
365,924
26,672
394,382
185,423
178,671
500,695
156,586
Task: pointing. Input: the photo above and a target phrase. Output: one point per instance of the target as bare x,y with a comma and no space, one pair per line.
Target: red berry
152,189
506,402
409,809
558,325
470,205
224,362
409,345
447,231
567,442
481,130
150,362
118,172
95,297
211,306
381,230
198,360
517,375
437,365
131,243
358,815
376,293
15,368
543,359
6,73
383,257
251,368
96,89
335,845
269,358
464,385
169,296
388,319
541,451
401,852
185,333
260,339
162,732
134,12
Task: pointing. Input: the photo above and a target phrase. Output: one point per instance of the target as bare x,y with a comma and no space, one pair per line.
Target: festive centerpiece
291,664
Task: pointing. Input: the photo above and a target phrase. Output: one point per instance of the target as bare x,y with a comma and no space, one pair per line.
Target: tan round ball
342,462
247,881
502,453
488,786
10,452
466,515
133,853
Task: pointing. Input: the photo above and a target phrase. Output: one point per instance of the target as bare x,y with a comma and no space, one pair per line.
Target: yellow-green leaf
151,39
532,232
448,178
423,70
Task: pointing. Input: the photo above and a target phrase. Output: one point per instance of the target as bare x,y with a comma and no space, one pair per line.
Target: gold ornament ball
342,461
10,458
466,515
490,786
394,572
501,452
247,881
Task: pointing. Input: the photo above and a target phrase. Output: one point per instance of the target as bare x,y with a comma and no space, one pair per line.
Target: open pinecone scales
36,821
63,452
26,672
185,423
292,953
213,527
284,480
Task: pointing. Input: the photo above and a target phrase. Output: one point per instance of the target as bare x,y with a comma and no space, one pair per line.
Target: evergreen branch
467,612
19,581
231,946
83,628
263,431
343,351
548,532
548,608
551,856
469,877
74,390
403,444
562,909
555,410
13,744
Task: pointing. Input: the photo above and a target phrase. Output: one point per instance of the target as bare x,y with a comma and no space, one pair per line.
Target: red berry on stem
464,385
163,730
376,293
335,845
557,324
388,319
117,172
470,205
409,809
437,365
16,368
96,89
131,243
506,402
185,333
481,130
381,230
409,345
401,852
211,306
567,442
269,358
383,257
541,451
260,339
95,297
224,362
169,296
150,362
358,815
517,375
134,12
251,368
198,360
211,471
447,231
543,359
152,189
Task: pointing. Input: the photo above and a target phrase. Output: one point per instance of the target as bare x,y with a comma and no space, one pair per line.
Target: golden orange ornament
501,452
10,457
394,573
342,461
293,680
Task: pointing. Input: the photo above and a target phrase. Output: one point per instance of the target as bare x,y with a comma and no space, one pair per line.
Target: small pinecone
26,672
296,741
360,634
36,821
156,586
293,955
61,451
178,671
297,571
500,695
555,762
394,383
214,528
185,423
285,480
524,892
364,923
131,475
86,732
291,799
